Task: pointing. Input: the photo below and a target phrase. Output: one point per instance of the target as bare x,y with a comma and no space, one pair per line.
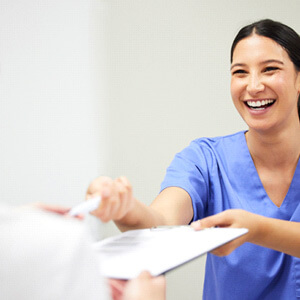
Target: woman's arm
173,206
283,236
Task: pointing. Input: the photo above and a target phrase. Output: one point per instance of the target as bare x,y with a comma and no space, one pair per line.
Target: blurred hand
57,209
61,210
232,218
117,287
116,197
145,287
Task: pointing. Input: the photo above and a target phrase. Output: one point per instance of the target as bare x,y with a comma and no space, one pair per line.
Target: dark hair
278,32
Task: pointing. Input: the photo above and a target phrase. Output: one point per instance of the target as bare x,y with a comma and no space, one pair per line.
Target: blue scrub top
219,174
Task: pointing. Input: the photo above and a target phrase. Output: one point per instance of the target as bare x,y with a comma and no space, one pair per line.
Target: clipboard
158,250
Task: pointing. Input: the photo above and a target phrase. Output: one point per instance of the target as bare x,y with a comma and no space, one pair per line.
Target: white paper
158,250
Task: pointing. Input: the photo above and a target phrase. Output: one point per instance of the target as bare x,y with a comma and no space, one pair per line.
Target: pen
85,207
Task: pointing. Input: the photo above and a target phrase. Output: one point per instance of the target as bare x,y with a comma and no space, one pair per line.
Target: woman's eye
238,72
270,69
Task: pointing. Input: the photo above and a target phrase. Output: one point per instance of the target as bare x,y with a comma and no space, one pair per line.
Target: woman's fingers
97,186
233,218
116,197
227,218
126,197
220,220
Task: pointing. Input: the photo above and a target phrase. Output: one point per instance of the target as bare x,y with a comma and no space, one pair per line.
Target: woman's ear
298,81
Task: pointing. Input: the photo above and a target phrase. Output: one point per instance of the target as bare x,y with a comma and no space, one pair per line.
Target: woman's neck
274,150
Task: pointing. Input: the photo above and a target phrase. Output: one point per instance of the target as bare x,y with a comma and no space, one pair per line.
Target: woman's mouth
260,104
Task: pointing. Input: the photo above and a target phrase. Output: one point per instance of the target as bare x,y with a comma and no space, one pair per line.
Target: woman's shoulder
219,141
208,150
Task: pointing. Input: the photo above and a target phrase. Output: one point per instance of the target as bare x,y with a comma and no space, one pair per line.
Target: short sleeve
188,171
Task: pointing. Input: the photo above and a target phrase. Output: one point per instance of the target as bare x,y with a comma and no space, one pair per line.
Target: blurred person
46,256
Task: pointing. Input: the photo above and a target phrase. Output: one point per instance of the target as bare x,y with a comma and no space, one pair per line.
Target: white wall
168,78
115,87
51,115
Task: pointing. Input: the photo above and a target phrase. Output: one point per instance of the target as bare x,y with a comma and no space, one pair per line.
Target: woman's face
264,84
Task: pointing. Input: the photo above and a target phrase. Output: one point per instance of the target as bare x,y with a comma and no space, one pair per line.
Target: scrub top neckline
259,182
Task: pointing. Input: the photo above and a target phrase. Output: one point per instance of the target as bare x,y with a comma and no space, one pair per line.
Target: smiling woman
265,89
252,174
281,35
262,71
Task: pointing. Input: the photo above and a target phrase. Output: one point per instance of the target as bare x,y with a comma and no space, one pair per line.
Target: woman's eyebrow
272,61
262,63
237,65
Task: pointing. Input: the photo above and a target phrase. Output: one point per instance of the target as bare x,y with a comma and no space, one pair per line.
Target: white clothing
46,256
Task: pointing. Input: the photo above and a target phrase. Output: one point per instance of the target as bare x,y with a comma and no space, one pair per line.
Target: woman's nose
255,84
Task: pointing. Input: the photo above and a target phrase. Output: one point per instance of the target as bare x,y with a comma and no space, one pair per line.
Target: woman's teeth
260,104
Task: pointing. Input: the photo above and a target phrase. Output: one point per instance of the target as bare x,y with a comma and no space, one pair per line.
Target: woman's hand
233,218
116,197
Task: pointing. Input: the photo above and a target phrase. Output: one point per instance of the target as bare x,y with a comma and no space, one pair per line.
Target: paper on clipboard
158,250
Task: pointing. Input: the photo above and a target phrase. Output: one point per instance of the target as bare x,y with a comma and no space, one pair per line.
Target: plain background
115,87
